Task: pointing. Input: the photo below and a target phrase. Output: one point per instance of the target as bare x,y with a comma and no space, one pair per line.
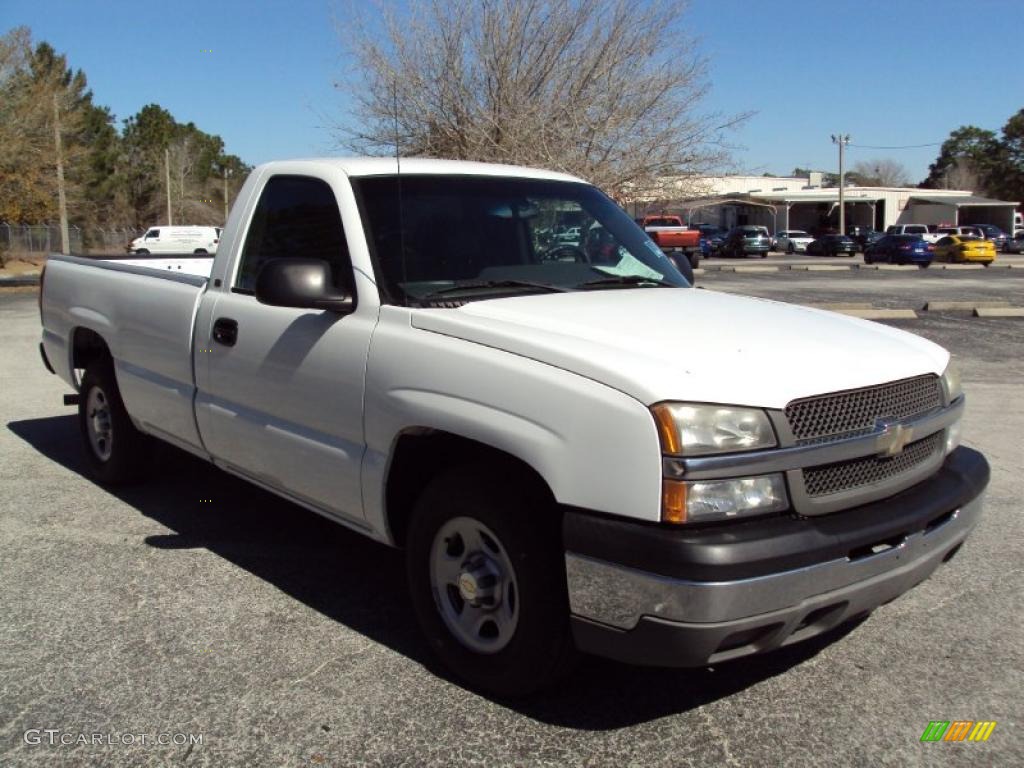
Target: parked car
561,472
178,239
900,249
964,248
714,236
792,241
746,240
1015,244
832,245
995,234
863,236
966,230
921,230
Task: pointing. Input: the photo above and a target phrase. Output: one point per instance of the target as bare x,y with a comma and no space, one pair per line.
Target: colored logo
958,730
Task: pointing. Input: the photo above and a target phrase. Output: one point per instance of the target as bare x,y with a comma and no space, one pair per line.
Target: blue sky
897,72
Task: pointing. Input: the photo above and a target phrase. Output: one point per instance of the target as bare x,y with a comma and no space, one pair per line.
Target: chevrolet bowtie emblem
894,438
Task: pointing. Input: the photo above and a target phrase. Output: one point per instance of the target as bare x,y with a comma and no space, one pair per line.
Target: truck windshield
497,235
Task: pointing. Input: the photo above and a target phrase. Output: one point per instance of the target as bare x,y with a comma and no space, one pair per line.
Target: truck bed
144,309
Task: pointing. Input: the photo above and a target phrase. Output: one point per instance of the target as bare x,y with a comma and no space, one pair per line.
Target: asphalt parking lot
200,605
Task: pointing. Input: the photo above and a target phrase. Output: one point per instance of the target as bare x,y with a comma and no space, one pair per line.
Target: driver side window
296,217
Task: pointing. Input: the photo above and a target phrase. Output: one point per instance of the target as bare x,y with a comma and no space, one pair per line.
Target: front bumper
648,594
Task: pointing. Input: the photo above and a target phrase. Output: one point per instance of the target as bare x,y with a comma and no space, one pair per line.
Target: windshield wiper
637,280
470,285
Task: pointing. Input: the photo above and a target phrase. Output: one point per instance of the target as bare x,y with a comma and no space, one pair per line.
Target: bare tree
962,175
883,172
609,90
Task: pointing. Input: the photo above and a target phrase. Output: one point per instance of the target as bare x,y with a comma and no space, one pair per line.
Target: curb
999,312
879,314
837,305
963,306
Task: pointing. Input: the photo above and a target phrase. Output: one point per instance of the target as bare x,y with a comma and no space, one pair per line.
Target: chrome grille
855,473
854,412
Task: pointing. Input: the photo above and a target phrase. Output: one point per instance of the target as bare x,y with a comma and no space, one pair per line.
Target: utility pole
62,201
167,169
842,141
227,172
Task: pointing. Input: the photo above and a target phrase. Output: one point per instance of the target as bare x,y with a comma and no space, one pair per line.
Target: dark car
900,249
745,240
712,238
832,245
995,234
863,236
1015,244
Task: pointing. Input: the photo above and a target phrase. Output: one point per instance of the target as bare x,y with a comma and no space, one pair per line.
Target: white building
784,202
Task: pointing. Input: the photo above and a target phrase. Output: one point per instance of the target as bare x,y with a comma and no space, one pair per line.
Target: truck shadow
303,555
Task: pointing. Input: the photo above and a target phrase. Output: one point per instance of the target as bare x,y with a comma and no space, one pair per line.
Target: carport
967,209
815,210
733,211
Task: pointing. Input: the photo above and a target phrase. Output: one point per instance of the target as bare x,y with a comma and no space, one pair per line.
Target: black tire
868,259
924,265
790,249
764,255
694,259
142,252
122,457
525,522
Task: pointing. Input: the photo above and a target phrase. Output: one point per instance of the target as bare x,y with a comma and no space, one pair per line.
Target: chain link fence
28,239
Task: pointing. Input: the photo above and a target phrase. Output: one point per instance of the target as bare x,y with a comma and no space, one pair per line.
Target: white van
177,239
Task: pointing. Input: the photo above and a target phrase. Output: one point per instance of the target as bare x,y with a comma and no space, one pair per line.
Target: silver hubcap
101,431
474,585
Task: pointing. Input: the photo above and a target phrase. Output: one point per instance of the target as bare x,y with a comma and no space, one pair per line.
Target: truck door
280,394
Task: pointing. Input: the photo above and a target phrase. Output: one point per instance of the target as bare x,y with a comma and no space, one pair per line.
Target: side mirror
300,283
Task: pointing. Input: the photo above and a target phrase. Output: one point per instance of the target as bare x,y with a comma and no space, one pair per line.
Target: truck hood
687,344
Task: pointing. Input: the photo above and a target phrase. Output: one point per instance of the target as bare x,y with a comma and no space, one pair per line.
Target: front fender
594,446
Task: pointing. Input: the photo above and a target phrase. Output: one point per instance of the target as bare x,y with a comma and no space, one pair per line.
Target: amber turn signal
673,501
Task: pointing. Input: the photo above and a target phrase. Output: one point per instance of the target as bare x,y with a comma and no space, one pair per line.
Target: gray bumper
642,617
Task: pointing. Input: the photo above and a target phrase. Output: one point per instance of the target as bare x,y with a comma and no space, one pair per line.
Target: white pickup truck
575,447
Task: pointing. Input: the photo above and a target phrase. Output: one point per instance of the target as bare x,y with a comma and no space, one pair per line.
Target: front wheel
116,451
486,573
142,252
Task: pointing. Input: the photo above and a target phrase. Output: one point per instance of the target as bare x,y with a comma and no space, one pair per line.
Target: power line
905,146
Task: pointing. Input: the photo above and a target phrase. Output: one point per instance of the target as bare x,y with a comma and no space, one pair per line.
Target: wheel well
87,346
422,455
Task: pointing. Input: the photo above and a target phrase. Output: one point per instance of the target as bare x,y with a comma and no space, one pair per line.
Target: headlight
951,382
702,501
695,430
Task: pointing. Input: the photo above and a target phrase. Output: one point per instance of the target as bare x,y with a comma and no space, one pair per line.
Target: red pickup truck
672,235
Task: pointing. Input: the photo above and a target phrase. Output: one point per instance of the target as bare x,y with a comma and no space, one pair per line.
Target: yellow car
965,248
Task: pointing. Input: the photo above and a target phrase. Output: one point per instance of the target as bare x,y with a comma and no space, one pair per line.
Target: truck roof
381,166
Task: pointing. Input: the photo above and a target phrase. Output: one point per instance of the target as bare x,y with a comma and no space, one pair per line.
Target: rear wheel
486,573
116,451
142,252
